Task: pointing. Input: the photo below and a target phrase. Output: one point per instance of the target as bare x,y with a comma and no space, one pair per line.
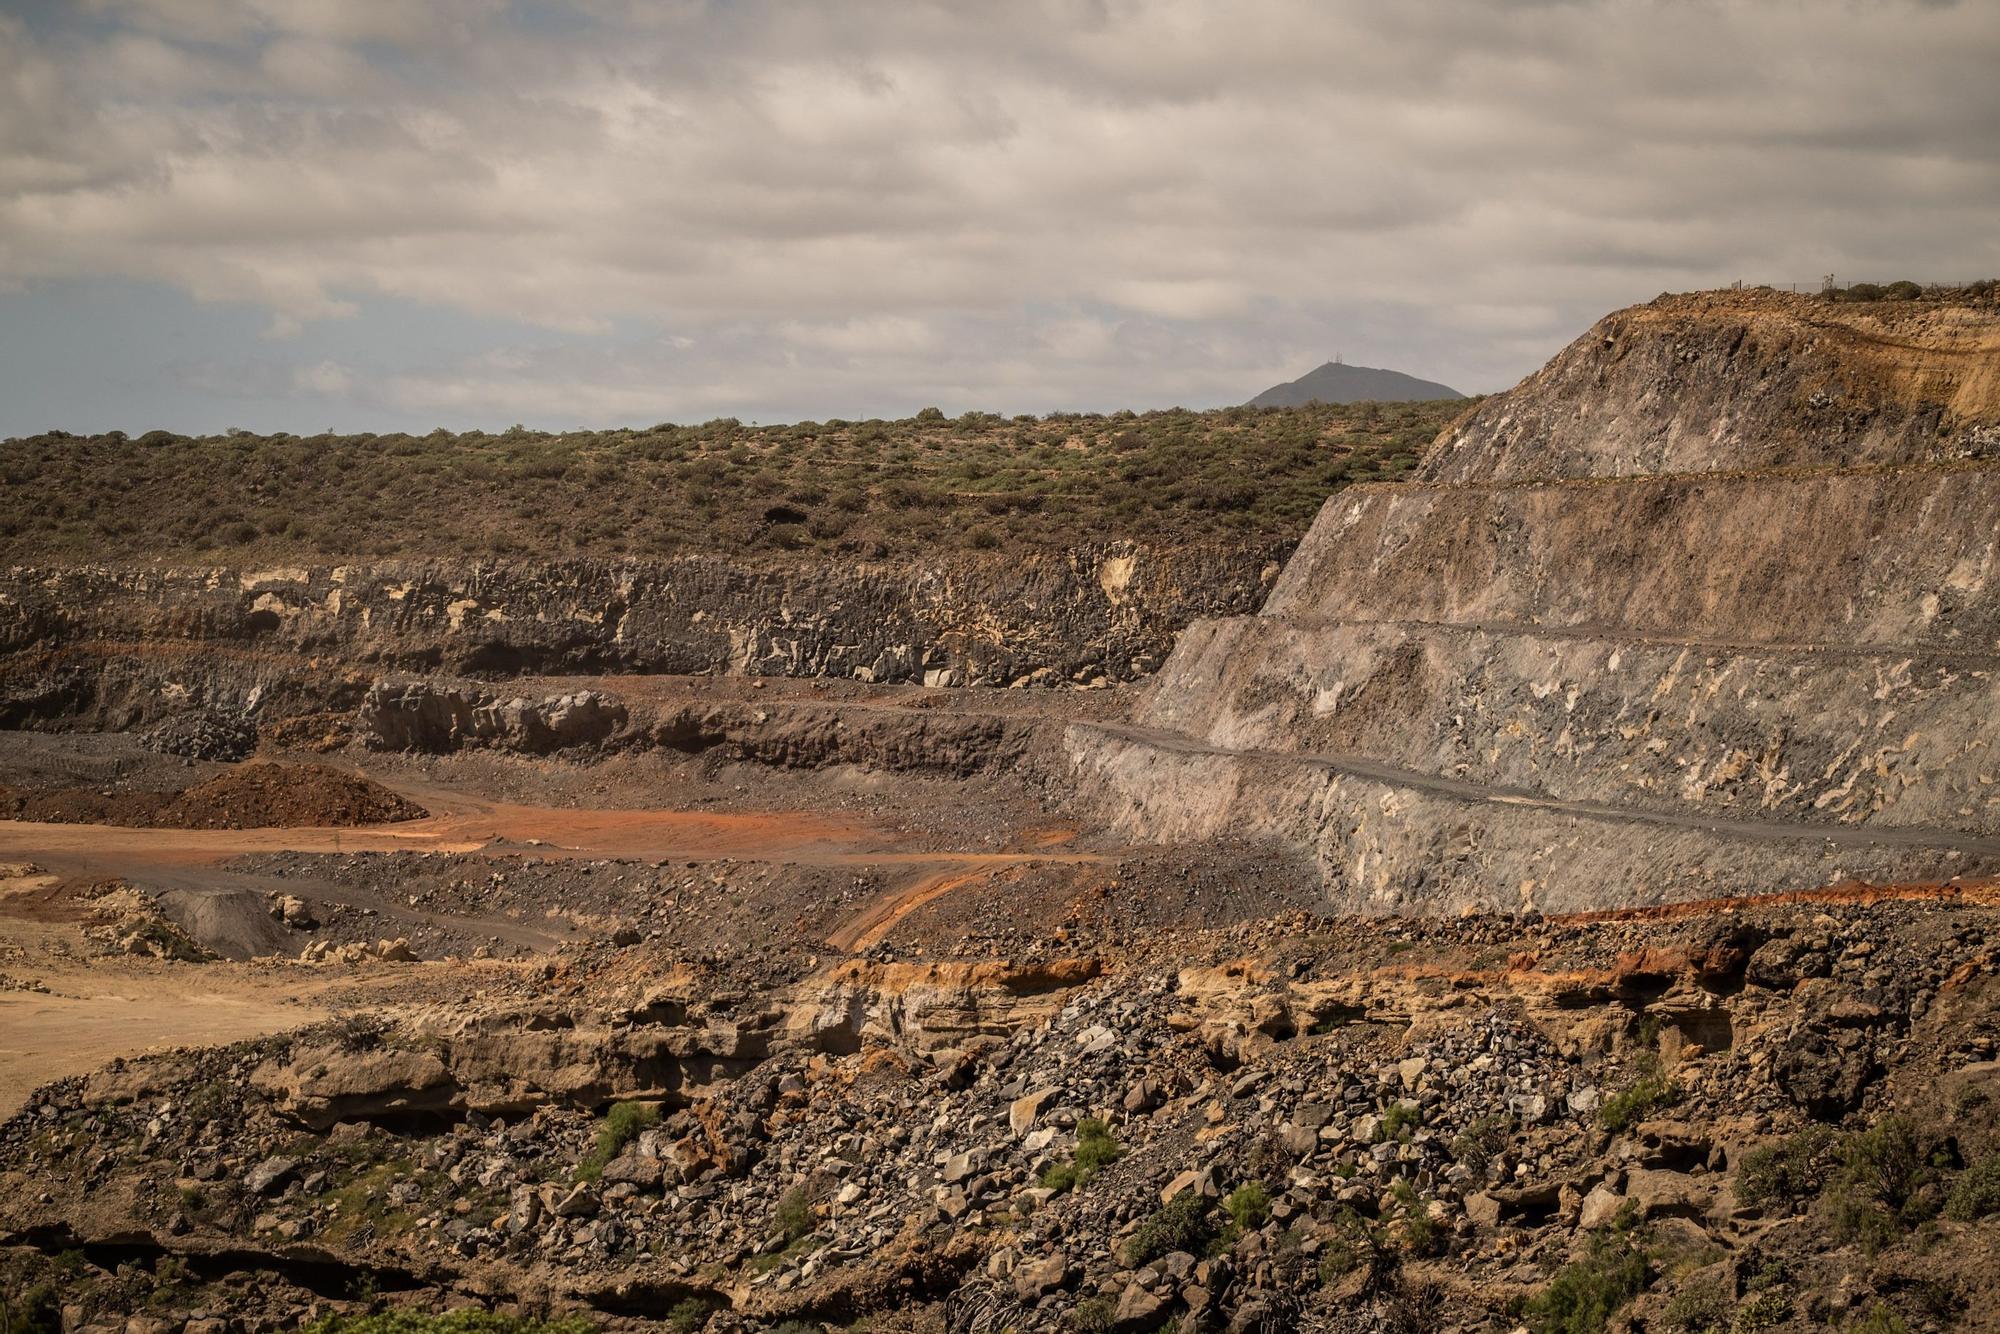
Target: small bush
1349,1248
1060,1177
1588,1291
1182,1225
1418,1230
1761,1310
1790,1174
1397,1120
622,1125
1096,1149
1248,1206
1976,1193
1095,1316
689,1316
35,1310
1881,1319
1477,1143
1886,1185
794,1214
1702,1304
1648,1093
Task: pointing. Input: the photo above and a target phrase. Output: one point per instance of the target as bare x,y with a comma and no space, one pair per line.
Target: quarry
1557,889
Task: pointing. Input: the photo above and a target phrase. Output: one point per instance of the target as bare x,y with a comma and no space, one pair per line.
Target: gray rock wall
1903,558
119,647
1833,737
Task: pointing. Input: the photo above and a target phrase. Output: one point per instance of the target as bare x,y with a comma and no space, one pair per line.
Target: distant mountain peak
1337,382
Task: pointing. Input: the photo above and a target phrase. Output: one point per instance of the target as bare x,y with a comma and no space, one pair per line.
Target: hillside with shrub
866,488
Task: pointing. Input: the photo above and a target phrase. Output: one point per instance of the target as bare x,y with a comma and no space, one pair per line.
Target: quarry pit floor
815,863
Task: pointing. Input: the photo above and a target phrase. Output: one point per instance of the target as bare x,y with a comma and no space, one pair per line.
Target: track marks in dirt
879,918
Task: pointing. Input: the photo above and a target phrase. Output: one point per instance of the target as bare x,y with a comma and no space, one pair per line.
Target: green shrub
1588,1291
1095,1150
1976,1193
1184,1224
1649,1092
1095,1147
34,1310
1248,1206
1095,1316
795,1218
1703,1304
1350,1246
1761,1310
688,1316
1886,1184
1060,1177
1399,1119
1477,1143
1418,1230
1790,1174
622,1125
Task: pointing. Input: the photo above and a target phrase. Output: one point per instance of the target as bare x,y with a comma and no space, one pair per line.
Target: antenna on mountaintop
1339,359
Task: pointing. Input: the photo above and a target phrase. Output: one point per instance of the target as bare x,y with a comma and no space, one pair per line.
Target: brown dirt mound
255,796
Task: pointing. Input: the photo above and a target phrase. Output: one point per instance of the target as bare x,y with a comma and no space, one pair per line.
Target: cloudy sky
377,214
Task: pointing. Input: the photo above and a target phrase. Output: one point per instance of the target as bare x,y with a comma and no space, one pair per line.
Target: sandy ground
93,1015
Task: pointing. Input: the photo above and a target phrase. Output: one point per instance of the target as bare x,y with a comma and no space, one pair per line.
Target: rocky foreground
1734,1117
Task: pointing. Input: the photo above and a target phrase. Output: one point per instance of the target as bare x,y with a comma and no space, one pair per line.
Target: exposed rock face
1711,603
442,717
125,647
1720,381
425,717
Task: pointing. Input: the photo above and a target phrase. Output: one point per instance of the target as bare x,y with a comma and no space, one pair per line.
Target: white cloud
1458,184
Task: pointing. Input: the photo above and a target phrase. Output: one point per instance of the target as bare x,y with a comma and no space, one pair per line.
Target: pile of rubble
203,735
1301,1124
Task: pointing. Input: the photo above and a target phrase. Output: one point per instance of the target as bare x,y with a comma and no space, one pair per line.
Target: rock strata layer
119,648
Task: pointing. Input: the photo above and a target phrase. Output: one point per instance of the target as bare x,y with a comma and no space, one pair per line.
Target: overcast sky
376,214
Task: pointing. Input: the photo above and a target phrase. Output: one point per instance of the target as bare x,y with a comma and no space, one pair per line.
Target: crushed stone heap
1708,606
